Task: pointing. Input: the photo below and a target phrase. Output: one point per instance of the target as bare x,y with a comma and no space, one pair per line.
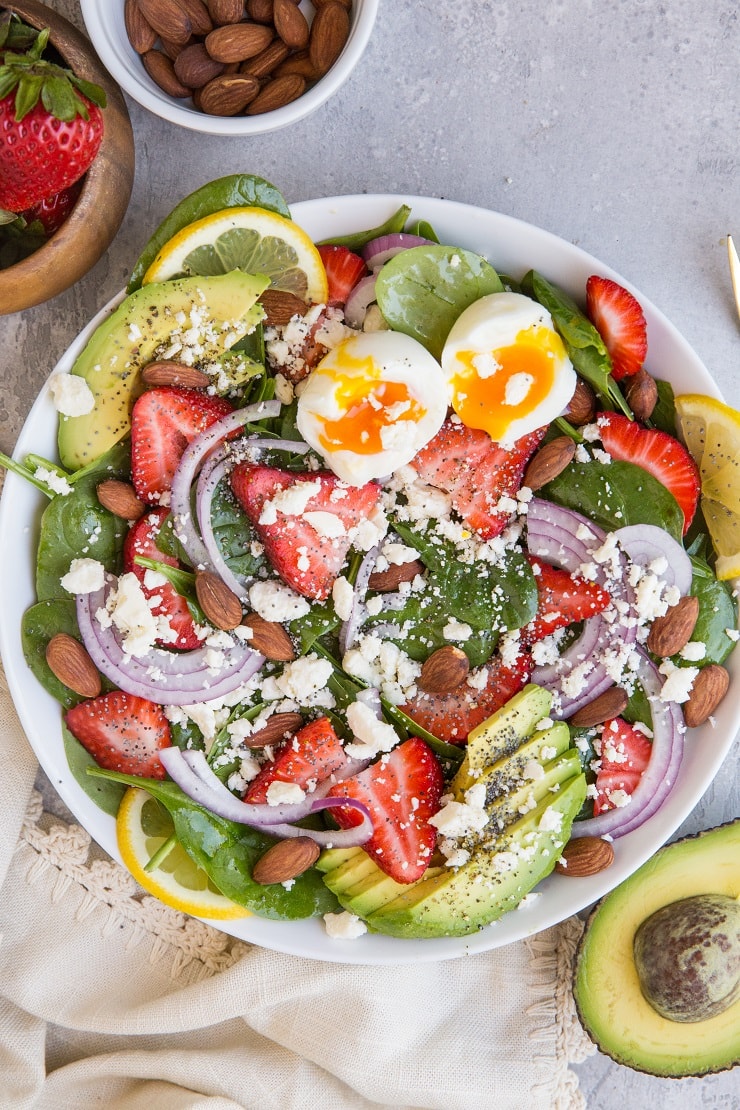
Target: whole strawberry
51,127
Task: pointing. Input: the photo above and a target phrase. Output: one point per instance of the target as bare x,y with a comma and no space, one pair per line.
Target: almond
586,855
228,95
168,372
276,94
603,708
162,72
278,727
672,631
174,49
345,3
444,670
69,662
290,24
140,34
641,392
120,498
286,860
260,10
168,18
582,406
238,41
298,64
549,461
385,581
195,67
220,604
199,16
269,638
281,306
226,11
329,33
710,686
263,64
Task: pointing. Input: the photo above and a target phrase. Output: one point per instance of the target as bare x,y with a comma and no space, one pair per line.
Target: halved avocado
611,1005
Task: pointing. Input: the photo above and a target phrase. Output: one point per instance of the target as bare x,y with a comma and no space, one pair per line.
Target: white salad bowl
513,247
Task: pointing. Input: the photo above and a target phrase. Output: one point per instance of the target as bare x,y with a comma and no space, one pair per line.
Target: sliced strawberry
476,472
344,269
658,453
163,422
142,540
562,599
122,733
310,756
307,558
625,753
620,322
452,716
401,791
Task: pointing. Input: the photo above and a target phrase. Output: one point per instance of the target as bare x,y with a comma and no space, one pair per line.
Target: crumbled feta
284,793
344,925
275,601
372,735
71,395
457,630
85,576
342,594
56,482
678,683
327,525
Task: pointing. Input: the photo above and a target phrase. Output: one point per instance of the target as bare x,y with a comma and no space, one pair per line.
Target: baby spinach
105,793
359,239
422,291
717,612
664,414
39,624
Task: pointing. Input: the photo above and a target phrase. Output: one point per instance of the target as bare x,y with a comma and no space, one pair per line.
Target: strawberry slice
620,322
310,756
658,453
122,733
625,753
344,269
280,503
562,599
476,472
142,540
451,717
401,791
163,422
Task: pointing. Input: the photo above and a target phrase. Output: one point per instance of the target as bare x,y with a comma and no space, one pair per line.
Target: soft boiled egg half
371,404
506,367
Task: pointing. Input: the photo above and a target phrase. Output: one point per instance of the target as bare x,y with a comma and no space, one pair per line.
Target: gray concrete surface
612,124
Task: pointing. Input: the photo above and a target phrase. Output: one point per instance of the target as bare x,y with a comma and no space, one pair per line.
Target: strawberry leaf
60,100
27,96
91,91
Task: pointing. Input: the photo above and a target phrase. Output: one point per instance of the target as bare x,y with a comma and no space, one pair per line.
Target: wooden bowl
88,230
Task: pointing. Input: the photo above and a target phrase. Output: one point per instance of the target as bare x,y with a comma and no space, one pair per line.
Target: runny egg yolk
367,406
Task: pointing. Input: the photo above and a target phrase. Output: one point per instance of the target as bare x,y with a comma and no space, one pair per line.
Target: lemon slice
250,239
711,433
142,827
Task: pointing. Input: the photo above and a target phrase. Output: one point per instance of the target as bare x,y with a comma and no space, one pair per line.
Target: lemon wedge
711,432
142,827
253,240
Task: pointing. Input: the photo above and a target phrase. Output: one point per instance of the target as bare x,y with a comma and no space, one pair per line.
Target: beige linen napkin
110,999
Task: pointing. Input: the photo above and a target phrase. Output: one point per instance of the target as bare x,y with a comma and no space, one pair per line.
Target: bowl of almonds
230,67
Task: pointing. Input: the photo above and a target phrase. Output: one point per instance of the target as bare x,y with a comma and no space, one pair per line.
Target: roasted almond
385,581
269,638
298,64
278,727
582,405
603,708
641,392
329,33
709,688
281,306
168,18
70,663
169,372
549,461
671,632
286,860
119,498
228,95
263,64
222,607
585,855
276,93
290,24
174,49
226,11
162,72
260,10
345,3
444,670
195,67
199,16
140,34
238,41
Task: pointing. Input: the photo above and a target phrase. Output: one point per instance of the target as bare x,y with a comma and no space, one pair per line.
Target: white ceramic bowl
105,26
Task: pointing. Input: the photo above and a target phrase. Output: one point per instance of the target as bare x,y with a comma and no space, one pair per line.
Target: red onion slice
359,300
377,252
206,488
350,627
644,543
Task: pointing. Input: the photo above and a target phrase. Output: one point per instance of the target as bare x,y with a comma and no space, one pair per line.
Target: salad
373,582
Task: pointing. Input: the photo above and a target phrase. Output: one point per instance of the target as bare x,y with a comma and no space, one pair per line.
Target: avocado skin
609,1001
128,339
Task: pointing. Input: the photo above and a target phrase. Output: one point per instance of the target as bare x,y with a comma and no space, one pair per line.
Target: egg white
371,404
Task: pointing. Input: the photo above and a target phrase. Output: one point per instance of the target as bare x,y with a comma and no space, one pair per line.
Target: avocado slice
376,890
611,1005
141,329
505,774
509,807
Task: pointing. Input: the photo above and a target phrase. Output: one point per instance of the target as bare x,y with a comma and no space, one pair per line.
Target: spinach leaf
105,793
616,494
422,291
39,624
423,229
717,612
664,414
359,239
228,851
236,191
234,534
76,524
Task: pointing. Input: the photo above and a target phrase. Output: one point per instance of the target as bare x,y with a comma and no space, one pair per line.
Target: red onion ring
377,252
359,300
349,628
645,543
